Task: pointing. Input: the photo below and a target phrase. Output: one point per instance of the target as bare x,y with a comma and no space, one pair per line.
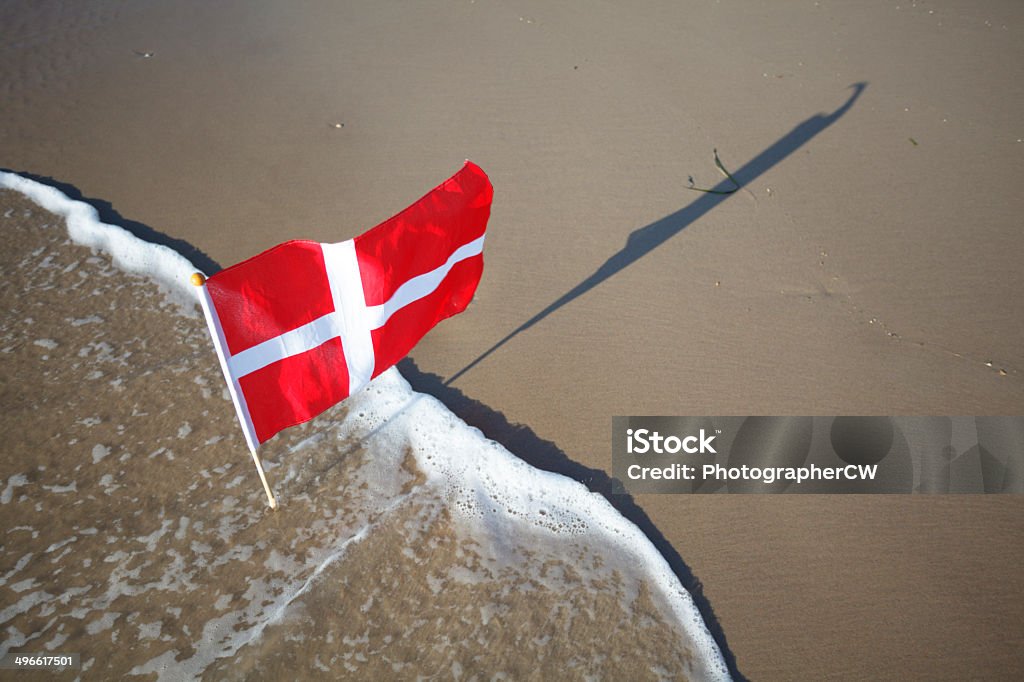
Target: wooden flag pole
199,280
263,478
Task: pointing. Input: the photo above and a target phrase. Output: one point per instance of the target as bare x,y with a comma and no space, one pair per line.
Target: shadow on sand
645,239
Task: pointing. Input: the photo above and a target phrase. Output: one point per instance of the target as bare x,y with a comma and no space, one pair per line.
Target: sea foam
162,264
483,482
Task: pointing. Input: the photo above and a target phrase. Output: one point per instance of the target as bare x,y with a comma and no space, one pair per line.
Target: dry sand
869,265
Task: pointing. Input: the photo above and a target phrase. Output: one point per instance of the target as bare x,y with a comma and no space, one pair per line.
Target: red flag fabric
302,326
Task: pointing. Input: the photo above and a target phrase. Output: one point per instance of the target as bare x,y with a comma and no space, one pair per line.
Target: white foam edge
458,456
163,264
500,476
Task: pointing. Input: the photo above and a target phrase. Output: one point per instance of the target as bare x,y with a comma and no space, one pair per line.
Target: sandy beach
869,264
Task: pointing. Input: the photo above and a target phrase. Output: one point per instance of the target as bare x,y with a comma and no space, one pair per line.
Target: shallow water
136,532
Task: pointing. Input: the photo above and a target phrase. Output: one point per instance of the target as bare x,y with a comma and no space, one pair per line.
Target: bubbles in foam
12,483
99,451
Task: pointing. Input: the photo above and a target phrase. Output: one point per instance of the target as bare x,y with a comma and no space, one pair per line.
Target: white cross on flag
302,326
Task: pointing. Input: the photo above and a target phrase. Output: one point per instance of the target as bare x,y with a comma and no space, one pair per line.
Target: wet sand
869,265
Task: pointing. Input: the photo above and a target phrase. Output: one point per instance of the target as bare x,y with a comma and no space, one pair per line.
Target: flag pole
263,477
199,281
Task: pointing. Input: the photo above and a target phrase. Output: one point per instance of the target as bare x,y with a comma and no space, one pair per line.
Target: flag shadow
645,239
545,455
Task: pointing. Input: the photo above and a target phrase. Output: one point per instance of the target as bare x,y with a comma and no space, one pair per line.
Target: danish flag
304,325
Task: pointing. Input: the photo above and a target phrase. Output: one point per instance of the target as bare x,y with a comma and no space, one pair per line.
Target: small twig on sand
727,174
